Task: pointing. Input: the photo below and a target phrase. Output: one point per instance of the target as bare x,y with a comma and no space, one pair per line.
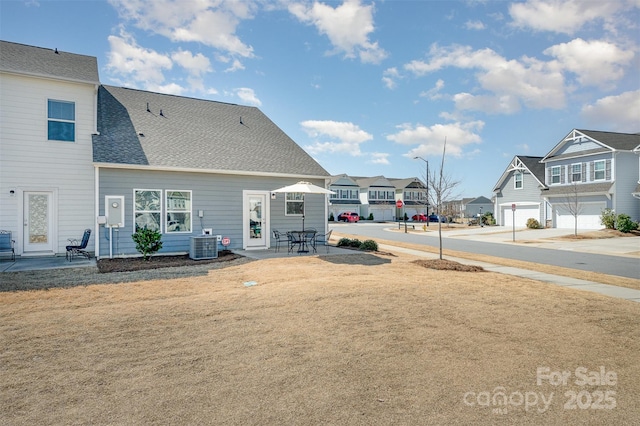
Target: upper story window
294,204
599,168
147,208
178,211
382,195
576,172
555,174
61,124
345,194
517,180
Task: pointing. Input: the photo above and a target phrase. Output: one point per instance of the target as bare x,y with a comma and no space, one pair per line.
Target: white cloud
212,23
429,140
434,92
138,65
564,16
347,26
389,77
344,137
619,112
248,96
527,81
474,25
596,62
235,66
195,65
379,158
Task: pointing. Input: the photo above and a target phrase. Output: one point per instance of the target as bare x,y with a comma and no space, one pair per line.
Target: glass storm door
255,216
38,221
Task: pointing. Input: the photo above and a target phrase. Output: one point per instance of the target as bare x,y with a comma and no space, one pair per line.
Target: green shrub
488,219
608,219
369,245
147,241
406,217
533,223
370,216
331,218
344,242
355,243
625,224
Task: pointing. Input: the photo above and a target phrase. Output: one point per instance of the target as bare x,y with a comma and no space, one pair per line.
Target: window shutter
584,172
608,170
563,172
592,172
549,176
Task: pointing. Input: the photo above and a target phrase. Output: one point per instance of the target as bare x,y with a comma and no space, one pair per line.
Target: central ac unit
204,247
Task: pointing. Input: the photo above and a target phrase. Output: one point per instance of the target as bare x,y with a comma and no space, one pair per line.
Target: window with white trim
555,174
599,168
576,172
178,207
61,121
147,208
517,180
294,204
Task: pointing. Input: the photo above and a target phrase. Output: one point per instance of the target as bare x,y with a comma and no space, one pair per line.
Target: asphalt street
624,266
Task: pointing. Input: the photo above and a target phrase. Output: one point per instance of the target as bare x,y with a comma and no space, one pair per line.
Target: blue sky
364,87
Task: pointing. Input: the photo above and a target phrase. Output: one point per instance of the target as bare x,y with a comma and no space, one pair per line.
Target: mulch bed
447,265
128,264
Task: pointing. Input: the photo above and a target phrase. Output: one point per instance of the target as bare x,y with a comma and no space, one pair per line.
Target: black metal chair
322,239
278,238
77,248
6,244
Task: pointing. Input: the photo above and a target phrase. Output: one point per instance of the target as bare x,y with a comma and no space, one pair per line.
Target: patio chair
294,239
6,244
278,238
77,248
322,239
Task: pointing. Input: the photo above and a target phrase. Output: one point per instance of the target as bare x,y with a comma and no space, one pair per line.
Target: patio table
302,240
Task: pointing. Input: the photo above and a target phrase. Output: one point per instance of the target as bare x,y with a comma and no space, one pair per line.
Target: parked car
348,217
434,218
419,217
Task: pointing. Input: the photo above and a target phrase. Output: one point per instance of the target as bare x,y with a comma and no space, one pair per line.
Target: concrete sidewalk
607,290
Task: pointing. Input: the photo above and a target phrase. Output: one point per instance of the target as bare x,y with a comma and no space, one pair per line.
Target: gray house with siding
346,197
517,194
187,166
593,170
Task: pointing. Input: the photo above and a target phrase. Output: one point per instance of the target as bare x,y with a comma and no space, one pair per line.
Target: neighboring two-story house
378,197
588,171
517,194
346,197
413,194
48,104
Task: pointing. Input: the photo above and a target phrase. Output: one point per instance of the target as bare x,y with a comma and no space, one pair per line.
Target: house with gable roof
378,197
596,169
517,194
48,101
413,194
183,165
75,155
346,197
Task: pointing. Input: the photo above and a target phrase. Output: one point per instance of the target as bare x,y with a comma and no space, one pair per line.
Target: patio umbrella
304,188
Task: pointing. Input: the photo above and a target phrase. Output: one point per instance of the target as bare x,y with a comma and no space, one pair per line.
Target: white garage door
522,214
588,218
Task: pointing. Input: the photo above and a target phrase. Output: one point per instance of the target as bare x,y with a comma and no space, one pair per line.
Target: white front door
38,222
255,216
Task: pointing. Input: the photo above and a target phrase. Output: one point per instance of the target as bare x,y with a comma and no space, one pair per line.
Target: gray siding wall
626,177
529,193
219,196
587,164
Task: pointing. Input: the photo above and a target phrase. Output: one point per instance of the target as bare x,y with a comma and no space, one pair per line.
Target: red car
348,217
419,218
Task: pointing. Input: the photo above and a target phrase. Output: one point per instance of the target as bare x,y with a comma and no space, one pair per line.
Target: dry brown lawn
346,340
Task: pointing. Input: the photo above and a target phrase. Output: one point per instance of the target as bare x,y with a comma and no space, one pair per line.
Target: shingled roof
173,132
51,63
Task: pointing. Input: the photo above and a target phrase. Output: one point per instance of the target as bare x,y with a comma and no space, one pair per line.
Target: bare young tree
441,190
571,203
